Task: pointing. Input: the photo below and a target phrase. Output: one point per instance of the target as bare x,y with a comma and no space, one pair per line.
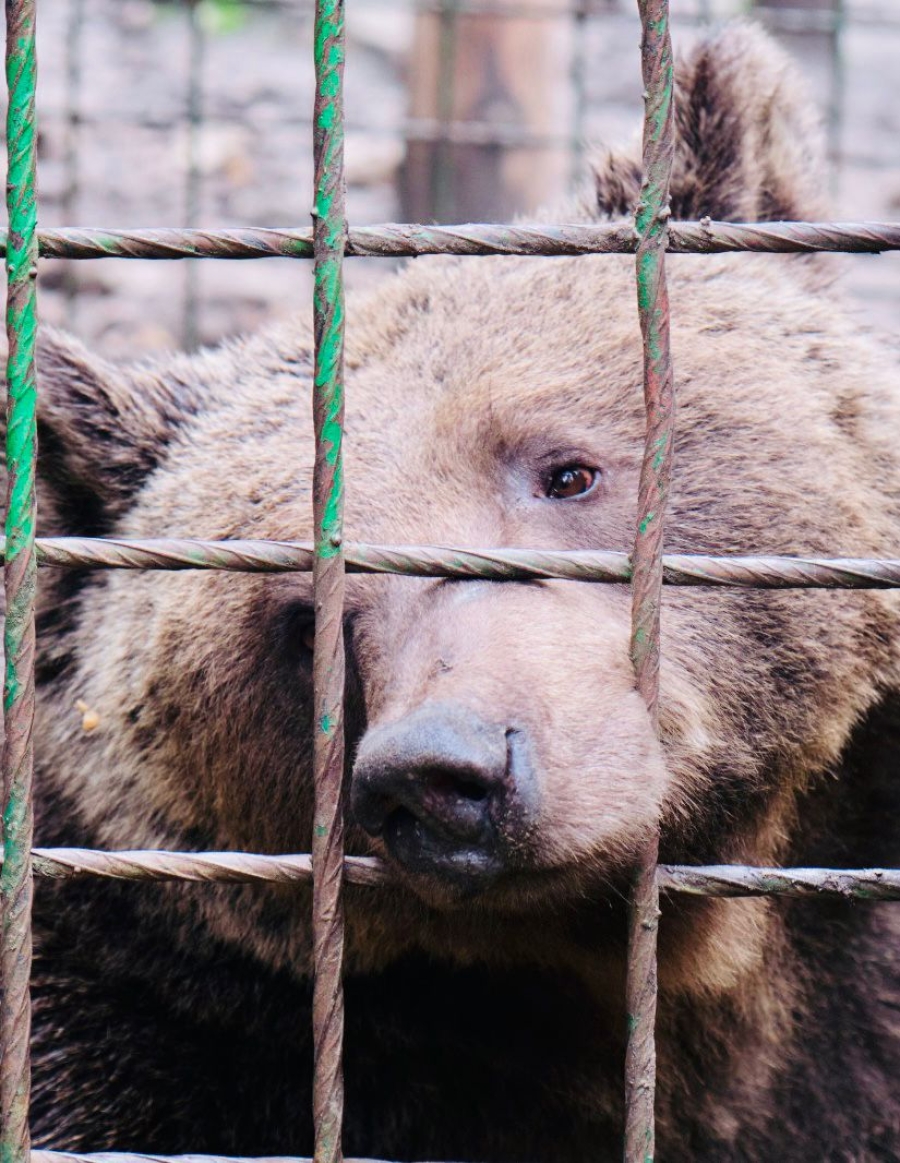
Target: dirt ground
116,142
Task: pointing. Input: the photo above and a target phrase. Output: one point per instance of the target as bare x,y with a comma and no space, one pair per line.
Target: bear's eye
572,480
299,627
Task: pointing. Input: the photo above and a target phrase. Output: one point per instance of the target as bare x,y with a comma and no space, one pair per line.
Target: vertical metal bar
443,200
836,96
193,181
578,76
659,397
74,49
19,577
330,230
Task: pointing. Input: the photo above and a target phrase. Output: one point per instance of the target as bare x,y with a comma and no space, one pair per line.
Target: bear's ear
748,140
101,431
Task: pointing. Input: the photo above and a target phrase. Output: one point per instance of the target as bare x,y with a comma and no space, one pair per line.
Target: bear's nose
449,793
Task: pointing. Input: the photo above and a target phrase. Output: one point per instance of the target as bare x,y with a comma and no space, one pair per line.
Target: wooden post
492,110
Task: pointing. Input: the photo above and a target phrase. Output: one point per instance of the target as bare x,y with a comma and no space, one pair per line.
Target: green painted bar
329,240
651,221
20,576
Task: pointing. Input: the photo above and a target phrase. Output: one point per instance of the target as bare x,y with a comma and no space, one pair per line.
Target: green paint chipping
21,319
328,289
21,435
329,236
651,220
21,570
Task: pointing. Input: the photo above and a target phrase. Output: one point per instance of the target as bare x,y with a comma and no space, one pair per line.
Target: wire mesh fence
647,568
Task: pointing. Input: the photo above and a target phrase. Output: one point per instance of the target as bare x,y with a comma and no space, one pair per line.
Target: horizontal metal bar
725,880
738,880
398,240
219,867
603,566
483,133
456,132
129,1157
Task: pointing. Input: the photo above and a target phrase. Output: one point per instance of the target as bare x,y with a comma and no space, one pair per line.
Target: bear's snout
450,793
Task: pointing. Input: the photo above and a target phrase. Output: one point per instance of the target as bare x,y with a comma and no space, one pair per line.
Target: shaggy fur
176,1018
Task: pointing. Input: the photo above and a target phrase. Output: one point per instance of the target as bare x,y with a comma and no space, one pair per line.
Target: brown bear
500,759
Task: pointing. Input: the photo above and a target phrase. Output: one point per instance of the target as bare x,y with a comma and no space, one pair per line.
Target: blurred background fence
199,113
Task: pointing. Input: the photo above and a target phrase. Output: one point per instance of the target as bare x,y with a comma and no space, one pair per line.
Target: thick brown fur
175,1018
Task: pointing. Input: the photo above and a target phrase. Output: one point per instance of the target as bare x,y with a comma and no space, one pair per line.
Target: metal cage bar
329,229
728,880
600,566
75,28
134,1157
651,222
193,190
404,240
20,577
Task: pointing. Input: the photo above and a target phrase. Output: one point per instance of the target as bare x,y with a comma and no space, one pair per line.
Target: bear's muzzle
451,795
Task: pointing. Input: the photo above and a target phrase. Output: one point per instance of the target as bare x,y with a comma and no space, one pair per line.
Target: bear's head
499,756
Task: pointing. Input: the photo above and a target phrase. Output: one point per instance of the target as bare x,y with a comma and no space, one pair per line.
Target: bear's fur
485,1018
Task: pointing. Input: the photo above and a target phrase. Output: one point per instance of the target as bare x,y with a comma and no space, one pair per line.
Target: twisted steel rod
131,1157
20,577
651,223
599,566
329,231
732,880
726,880
401,240
210,867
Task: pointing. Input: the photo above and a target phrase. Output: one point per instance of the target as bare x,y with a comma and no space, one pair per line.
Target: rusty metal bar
578,80
193,177
212,867
71,156
441,166
651,221
600,566
329,236
130,1157
725,880
401,240
20,577
733,880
